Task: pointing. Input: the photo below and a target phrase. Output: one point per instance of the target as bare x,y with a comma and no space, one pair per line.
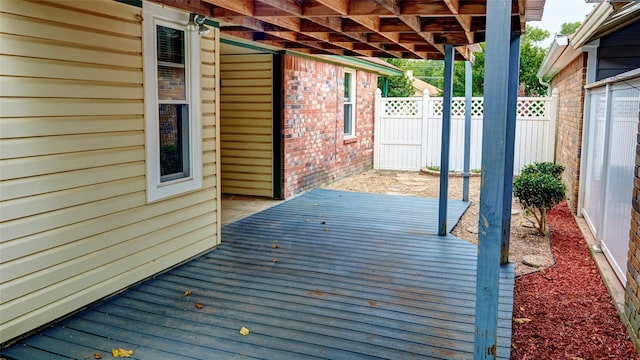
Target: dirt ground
529,251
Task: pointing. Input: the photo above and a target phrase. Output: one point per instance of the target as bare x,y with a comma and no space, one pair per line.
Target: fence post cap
378,92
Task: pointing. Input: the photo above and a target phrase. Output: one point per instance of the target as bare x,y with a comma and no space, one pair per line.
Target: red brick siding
314,148
570,82
632,292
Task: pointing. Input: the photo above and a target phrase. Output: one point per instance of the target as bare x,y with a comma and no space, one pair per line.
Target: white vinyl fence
408,132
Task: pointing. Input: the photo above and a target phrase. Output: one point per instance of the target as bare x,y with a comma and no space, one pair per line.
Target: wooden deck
353,276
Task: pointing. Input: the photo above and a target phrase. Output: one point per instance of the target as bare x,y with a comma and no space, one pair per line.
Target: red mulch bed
572,314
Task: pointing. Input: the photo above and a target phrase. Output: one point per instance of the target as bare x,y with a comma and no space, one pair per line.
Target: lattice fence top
527,107
402,107
532,107
457,106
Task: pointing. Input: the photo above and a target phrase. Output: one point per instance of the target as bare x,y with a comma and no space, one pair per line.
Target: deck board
353,276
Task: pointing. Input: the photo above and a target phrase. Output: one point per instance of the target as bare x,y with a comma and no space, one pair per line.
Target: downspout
545,84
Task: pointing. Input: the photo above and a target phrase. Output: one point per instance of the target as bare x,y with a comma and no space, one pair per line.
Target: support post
377,116
424,125
468,84
509,144
385,87
446,137
494,128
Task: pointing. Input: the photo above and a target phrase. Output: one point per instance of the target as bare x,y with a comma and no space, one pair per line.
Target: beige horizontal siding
246,97
58,50
60,163
75,223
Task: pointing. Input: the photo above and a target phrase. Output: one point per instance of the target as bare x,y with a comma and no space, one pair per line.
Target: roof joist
416,29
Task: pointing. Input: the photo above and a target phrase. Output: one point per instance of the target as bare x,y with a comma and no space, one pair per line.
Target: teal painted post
494,126
385,87
446,139
512,103
468,76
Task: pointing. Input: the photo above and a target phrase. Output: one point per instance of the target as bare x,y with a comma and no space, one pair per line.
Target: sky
557,12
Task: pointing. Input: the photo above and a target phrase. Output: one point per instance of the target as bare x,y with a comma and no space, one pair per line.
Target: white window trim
157,190
354,98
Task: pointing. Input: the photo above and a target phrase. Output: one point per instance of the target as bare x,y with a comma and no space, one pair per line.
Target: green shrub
550,168
538,189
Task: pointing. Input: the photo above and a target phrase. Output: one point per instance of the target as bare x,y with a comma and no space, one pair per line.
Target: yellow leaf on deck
97,355
186,293
121,353
275,246
198,306
244,331
522,320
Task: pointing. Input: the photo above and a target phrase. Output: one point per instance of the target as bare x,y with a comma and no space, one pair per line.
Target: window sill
350,139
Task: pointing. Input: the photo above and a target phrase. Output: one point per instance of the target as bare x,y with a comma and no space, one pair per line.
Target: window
172,103
349,102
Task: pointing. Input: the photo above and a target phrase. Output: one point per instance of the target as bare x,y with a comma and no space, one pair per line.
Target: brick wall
315,150
569,83
632,293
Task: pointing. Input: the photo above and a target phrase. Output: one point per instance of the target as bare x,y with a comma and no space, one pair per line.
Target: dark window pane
174,141
347,119
170,45
171,64
347,86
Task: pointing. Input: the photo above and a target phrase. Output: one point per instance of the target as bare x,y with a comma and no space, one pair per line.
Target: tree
539,189
569,28
398,86
531,56
477,75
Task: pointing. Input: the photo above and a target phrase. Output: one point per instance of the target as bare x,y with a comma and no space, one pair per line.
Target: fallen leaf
121,353
198,306
186,293
97,355
522,320
274,260
275,246
326,228
522,308
244,331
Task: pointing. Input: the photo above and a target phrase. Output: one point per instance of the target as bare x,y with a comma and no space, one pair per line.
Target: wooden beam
509,144
370,22
496,93
244,7
389,5
445,142
339,6
442,24
287,35
289,6
288,23
453,5
468,92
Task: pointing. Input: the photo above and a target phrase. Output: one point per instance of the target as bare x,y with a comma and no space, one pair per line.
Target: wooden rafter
387,28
